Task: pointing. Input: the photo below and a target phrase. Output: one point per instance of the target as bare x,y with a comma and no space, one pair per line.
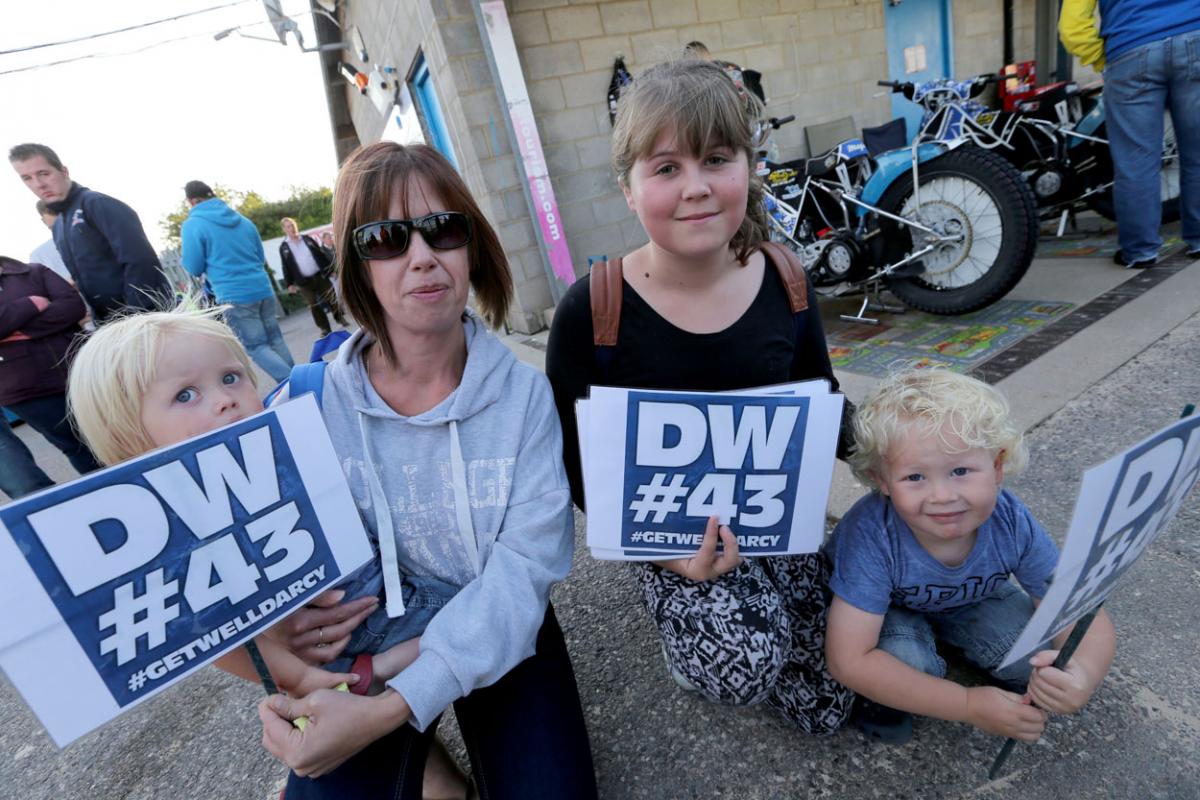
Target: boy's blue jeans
423,599
985,631
1138,87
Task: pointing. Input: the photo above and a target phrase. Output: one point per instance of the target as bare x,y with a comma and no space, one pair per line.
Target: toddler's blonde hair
934,402
115,366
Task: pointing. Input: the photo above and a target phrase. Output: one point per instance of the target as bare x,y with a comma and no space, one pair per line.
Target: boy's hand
706,564
1061,691
1002,713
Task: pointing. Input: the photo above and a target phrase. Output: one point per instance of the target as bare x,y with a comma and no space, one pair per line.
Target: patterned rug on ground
919,339
1097,244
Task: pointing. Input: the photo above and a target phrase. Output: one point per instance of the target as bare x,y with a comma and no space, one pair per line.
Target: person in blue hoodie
224,246
453,452
1149,51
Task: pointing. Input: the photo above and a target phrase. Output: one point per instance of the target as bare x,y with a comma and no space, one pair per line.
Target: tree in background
309,207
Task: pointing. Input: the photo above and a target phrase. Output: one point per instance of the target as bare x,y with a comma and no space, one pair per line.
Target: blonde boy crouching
927,557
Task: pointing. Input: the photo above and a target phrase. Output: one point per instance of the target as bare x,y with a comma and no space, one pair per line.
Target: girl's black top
764,347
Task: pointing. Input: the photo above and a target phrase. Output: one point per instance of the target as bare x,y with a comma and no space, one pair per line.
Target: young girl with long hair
706,305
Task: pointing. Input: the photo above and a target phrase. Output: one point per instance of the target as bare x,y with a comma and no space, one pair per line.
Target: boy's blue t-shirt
877,562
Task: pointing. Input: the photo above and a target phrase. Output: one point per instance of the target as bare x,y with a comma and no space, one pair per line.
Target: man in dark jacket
39,320
306,269
99,238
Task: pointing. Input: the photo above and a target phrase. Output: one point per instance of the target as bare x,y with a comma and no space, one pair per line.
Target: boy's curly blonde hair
113,368
935,402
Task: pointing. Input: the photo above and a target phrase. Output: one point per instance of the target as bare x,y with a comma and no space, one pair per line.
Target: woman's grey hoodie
476,495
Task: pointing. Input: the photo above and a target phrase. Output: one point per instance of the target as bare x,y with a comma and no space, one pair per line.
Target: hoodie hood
214,210
488,365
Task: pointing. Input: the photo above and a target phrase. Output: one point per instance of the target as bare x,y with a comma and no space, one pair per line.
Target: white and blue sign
1123,505
124,581
658,465
852,149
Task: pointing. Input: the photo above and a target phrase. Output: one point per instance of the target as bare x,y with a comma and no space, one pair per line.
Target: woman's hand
706,564
39,302
320,631
339,726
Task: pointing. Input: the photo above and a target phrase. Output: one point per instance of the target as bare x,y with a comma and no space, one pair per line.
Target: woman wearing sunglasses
452,451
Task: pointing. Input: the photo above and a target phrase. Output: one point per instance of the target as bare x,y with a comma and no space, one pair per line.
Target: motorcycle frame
843,192
1061,136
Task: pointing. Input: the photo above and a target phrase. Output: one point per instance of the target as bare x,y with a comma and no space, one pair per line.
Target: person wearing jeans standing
223,245
39,320
1149,51
19,473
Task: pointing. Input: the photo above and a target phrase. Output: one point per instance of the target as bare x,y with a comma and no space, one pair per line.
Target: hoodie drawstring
462,500
390,563
392,591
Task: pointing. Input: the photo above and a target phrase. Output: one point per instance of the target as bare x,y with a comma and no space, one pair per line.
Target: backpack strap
327,344
604,283
605,287
791,272
307,378
304,378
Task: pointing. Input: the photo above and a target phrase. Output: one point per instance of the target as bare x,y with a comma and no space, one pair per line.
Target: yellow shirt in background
1079,33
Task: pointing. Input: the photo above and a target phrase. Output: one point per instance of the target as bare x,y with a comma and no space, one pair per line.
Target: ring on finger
321,636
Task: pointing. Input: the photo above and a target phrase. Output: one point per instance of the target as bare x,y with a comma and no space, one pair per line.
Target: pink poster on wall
516,96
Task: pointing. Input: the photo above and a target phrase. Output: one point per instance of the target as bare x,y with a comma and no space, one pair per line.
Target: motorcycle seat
821,165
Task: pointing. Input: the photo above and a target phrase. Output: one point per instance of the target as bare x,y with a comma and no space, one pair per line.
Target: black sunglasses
389,238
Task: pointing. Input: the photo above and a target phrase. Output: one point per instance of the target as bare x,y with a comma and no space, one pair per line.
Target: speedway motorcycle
946,228
1056,138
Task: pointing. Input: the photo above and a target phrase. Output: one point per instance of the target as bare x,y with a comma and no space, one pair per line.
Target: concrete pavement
1112,383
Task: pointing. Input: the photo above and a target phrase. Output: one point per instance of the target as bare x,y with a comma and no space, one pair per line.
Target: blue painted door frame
922,27
426,97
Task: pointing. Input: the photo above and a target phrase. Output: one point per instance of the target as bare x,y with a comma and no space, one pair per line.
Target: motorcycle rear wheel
981,196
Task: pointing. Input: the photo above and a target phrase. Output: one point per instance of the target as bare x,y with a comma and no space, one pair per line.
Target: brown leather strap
604,283
605,286
791,271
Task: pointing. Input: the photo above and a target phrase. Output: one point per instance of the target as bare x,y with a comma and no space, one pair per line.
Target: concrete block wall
446,33
978,37
819,59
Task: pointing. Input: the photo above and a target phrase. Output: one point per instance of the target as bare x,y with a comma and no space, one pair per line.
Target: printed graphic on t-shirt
421,501
935,597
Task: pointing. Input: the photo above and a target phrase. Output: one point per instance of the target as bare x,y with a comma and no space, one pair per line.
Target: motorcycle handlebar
901,87
776,122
